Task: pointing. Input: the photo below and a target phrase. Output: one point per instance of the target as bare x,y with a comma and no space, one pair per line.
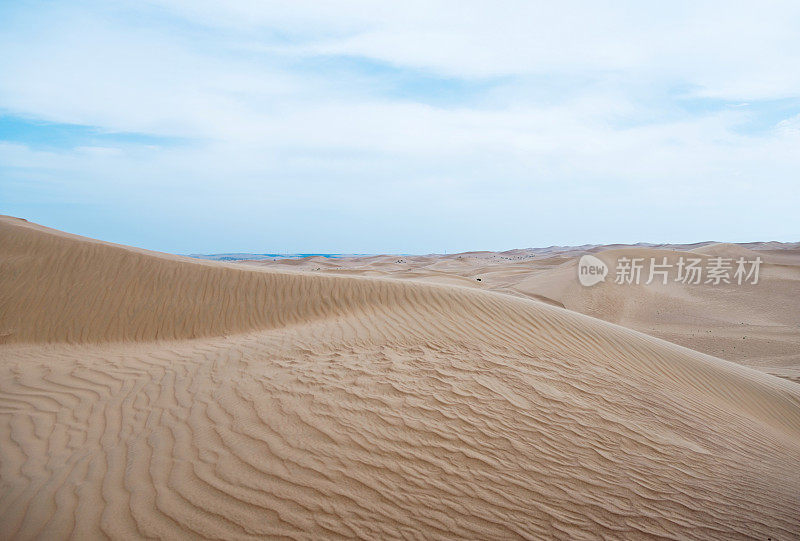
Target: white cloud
734,50
571,105
789,127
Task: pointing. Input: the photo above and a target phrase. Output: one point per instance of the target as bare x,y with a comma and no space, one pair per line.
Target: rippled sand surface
147,395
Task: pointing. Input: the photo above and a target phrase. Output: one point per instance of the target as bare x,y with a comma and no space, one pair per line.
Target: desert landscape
457,270
148,395
757,325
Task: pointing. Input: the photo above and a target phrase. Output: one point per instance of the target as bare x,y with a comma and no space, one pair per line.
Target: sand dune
147,395
755,325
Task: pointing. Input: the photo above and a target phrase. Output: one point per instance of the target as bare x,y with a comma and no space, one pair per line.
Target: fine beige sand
754,325
149,395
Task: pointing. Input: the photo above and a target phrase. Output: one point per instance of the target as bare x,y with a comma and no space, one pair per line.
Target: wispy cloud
371,126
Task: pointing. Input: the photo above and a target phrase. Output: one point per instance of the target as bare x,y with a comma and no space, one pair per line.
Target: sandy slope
755,325
313,406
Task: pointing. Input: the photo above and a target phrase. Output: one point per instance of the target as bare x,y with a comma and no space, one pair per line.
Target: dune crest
147,395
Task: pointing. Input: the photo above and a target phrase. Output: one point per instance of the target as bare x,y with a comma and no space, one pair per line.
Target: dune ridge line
150,395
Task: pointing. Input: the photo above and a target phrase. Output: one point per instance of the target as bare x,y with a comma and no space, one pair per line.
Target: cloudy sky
410,127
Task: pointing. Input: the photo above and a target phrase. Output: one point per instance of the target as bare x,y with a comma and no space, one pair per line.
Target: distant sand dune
757,325
147,395
754,325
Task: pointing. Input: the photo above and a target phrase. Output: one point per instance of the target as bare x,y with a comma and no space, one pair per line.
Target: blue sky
414,127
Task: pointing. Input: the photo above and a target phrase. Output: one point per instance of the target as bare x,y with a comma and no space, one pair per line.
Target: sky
193,126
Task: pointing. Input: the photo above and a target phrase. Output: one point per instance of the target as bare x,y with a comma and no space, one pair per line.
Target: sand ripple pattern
356,408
